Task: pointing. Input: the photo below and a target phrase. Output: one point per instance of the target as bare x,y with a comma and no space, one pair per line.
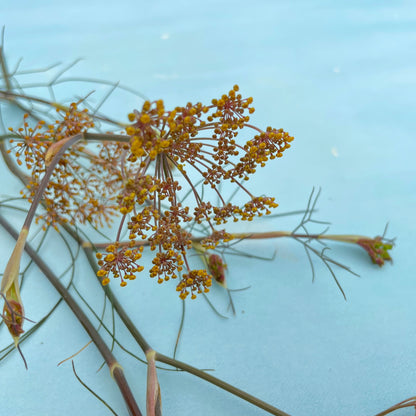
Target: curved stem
405,403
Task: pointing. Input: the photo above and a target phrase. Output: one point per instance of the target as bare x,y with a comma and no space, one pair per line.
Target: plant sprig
78,173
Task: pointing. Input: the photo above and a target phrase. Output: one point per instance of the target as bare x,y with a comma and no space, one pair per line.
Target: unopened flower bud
13,313
377,249
217,268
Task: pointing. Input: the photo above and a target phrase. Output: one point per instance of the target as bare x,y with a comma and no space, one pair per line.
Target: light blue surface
339,76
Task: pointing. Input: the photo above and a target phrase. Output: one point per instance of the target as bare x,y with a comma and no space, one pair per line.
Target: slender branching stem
12,96
344,238
115,368
222,384
411,402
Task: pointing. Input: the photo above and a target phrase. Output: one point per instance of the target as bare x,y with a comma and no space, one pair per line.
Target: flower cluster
201,139
139,180
30,144
120,262
195,281
82,185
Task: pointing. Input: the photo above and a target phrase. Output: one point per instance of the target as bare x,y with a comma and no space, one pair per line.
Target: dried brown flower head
83,183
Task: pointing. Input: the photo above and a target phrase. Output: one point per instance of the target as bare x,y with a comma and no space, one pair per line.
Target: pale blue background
341,77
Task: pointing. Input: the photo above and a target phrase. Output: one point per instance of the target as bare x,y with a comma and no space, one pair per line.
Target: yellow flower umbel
202,140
